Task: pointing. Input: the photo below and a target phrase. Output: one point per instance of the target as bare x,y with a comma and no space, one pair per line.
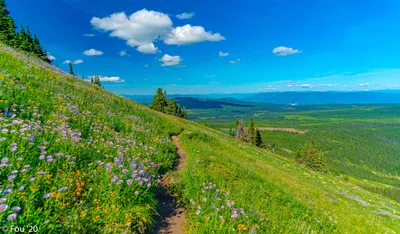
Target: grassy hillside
78,159
75,157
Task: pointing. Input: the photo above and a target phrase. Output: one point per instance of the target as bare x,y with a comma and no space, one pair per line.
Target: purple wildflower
47,195
7,191
12,217
16,209
3,207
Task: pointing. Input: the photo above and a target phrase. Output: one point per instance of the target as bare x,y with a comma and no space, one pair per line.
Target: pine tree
29,40
37,48
252,131
7,26
23,41
258,139
159,101
71,71
311,157
172,108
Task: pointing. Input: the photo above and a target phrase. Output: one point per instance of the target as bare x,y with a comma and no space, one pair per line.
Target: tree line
162,104
21,39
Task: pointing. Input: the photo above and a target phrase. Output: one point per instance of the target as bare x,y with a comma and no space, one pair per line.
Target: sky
221,46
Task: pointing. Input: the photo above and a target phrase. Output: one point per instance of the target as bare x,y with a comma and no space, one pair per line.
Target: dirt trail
172,217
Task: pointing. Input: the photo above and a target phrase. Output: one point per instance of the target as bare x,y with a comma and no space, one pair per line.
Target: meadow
78,159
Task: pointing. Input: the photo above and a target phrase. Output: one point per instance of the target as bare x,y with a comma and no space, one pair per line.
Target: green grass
96,159
88,138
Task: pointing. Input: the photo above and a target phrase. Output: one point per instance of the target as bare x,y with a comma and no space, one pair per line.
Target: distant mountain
201,103
285,98
147,99
315,98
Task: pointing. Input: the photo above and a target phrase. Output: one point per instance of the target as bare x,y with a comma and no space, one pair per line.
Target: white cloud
269,87
188,34
146,65
78,61
185,15
170,60
141,28
122,53
284,51
222,54
89,35
364,85
93,52
234,61
306,86
115,79
147,48
50,57
328,85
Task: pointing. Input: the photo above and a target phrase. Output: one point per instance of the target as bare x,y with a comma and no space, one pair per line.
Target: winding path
172,217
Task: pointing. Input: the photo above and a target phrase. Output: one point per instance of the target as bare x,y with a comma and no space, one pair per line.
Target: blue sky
221,46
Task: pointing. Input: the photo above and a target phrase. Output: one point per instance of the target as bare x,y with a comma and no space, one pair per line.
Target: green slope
96,158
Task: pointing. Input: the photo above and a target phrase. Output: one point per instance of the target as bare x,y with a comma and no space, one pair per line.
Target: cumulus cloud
188,34
141,28
147,48
122,53
67,61
170,60
185,15
364,85
284,51
222,54
89,35
50,57
234,61
93,52
115,79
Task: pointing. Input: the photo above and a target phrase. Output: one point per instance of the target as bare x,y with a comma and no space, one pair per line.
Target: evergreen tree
172,108
23,41
159,101
252,131
29,40
311,157
258,139
38,50
71,71
7,26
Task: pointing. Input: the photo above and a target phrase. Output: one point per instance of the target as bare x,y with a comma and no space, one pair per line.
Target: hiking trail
172,217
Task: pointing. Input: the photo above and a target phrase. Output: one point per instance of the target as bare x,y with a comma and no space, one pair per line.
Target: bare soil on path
172,217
